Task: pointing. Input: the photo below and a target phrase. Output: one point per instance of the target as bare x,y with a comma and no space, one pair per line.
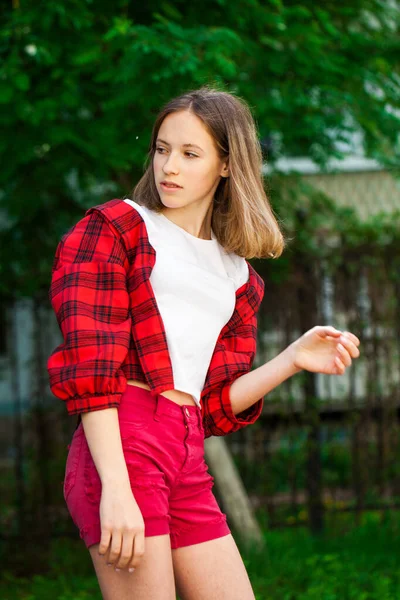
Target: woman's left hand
324,349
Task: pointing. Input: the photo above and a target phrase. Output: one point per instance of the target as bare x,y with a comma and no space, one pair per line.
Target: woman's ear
225,169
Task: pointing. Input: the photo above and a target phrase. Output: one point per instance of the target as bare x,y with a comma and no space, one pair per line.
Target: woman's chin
171,202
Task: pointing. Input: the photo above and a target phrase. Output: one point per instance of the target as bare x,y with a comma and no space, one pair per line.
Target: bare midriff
176,396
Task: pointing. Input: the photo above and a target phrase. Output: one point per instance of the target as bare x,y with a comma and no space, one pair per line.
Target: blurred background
80,85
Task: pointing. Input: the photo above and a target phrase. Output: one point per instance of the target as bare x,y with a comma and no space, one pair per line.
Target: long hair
242,217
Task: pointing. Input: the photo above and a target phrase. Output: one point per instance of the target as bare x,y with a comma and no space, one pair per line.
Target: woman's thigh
212,570
153,579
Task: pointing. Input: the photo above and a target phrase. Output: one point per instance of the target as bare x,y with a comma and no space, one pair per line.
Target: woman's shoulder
112,223
246,273
125,218
250,280
119,212
241,269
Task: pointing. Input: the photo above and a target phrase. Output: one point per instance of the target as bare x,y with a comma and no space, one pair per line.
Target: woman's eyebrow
183,145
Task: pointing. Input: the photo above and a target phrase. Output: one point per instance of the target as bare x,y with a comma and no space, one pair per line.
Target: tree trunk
232,492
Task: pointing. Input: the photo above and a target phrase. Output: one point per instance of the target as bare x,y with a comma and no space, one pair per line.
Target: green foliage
272,475
322,232
81,81
41,587
347,563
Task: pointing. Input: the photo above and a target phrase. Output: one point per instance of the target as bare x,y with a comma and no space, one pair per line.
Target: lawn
360,563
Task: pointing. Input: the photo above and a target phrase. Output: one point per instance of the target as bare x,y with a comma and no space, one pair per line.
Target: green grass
346,563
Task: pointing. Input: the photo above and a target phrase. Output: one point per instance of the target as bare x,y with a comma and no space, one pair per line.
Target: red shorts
163,445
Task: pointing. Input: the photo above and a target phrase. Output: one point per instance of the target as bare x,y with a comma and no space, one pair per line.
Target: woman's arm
103,436
322,349
121,520
247,389
90,299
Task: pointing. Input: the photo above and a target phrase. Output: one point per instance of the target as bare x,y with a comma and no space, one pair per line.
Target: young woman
158,306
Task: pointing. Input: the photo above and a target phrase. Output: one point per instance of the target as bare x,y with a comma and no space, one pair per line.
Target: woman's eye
161,150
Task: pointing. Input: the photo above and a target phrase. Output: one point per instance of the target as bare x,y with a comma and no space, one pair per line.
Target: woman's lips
170,187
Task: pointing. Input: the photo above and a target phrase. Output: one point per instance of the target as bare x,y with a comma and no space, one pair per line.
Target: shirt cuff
76,406
246,417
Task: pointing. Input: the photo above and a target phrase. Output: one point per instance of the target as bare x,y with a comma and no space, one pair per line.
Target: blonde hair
242,217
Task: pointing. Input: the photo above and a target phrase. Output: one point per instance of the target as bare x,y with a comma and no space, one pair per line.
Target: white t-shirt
194,283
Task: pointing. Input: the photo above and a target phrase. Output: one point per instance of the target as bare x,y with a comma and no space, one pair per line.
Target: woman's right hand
122,526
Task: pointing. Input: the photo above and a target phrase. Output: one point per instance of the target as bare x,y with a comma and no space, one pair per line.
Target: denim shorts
163,445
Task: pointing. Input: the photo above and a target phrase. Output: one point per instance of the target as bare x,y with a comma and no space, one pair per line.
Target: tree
81,81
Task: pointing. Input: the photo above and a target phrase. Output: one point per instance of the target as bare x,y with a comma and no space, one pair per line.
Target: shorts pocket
72,464
92,481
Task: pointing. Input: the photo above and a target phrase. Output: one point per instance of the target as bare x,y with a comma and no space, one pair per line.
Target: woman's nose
171,165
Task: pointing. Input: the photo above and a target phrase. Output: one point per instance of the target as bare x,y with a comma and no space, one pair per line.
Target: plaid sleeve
234,355
90,299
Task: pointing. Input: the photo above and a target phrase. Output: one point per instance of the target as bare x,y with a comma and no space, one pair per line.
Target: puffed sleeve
89,296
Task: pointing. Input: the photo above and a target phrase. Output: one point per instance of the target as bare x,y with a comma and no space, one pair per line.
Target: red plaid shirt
113,331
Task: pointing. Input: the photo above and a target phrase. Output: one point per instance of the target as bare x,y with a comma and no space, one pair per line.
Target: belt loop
157,409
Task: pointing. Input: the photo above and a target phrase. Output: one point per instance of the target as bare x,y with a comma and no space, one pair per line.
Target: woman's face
185,155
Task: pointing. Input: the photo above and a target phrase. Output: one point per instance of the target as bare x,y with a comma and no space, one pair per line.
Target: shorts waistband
160,404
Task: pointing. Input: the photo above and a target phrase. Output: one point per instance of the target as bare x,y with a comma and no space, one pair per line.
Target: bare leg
211,570
153,579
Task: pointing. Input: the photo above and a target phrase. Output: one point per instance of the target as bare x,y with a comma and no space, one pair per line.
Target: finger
126,550
138,550
330,338
115,551
104,541
328,330
350,346
352,337
339,366
345,356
